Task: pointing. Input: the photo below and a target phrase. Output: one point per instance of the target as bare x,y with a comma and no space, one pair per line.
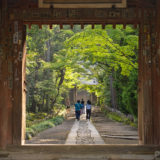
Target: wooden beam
78,16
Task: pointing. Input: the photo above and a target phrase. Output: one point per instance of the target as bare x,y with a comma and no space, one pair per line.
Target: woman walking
88,110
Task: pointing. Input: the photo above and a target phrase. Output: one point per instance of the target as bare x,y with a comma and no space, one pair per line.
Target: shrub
38,127
29,133
119,118
42,126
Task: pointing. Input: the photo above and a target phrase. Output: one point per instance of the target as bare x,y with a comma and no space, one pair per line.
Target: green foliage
106,53
38,127
127,92
47,66
57,60
119,118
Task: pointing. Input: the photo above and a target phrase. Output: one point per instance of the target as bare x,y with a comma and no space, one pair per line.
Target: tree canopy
57,60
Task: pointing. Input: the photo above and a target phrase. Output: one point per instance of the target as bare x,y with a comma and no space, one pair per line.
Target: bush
29,133
116,117
38,127
42,126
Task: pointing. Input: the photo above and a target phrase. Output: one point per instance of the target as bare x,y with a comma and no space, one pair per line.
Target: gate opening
96,63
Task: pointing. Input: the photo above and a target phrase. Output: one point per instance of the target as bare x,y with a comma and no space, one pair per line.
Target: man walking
77,109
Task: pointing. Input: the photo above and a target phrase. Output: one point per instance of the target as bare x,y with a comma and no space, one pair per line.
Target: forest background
57,61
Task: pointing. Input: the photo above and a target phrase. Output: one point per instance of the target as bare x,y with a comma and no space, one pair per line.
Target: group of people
80,109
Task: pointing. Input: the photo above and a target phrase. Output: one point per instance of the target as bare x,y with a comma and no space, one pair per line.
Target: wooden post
6,77
145,98
19,84
156,76
140,88
149,81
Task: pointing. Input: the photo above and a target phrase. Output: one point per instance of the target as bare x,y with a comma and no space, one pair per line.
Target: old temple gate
16,14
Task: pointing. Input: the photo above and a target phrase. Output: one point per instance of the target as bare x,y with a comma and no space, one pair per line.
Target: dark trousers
77,115
88,113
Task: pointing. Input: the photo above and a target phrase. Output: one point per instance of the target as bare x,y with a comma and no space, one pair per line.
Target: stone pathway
113,132
84,132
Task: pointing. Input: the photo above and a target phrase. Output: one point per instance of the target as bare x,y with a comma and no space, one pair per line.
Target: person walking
88,110
77,109
82,106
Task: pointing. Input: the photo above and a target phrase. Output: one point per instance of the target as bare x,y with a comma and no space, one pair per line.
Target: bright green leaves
58,60
110,48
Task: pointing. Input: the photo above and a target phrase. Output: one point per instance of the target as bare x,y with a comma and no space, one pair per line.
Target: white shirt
88,106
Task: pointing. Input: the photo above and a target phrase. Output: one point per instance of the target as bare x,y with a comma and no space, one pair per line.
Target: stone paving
84,132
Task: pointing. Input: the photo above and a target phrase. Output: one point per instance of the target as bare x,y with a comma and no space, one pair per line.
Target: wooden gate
15,14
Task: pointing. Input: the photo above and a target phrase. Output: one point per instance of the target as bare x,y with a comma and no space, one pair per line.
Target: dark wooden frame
142,14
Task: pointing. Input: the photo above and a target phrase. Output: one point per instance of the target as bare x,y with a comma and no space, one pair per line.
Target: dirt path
55,135
113,132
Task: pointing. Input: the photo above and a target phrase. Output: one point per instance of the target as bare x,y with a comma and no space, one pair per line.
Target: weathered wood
156,77
24,85
15,13
149,79
140,88
55,152
5,79
18,83
77,16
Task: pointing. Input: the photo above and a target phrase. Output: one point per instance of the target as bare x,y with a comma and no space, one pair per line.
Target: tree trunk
113,92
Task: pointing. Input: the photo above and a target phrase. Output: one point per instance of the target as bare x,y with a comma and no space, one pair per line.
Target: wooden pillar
12,84
140,88
6,77
156,77
145,99
149,80
19,97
